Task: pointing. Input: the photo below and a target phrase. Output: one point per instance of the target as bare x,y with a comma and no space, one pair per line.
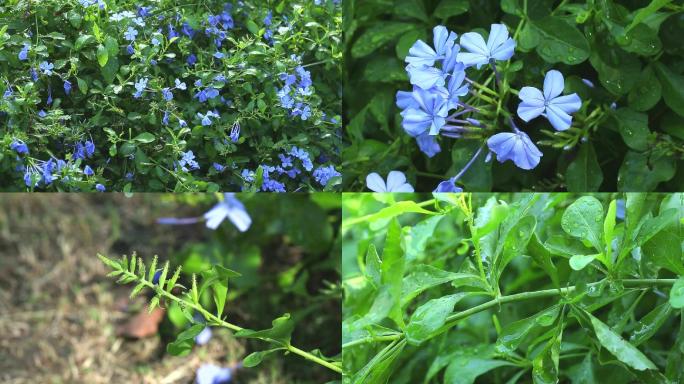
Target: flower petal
504,51
474,43
443,39
498,33
405,100
568,103
415,121
471,59
374,182
558,118
529,110
395,179
421,54
425,77
553,84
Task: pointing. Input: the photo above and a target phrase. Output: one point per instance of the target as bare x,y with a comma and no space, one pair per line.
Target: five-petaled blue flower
549,104
19,146
498,47
130,34
230,208
100,187
515,146
23,54
396,182
426,111
46,67
213,374
88,171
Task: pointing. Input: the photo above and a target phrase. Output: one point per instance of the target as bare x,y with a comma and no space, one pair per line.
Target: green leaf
185,341
377,36
633,128
677,294
373,266
447,8
252,27
83,40
417,237
102,55
649,324
642,13
281,331
583,218
423,277
82,85
393,269
545,365
514,334
145,138
411,8
109,262
646,92
609,226
584,174
664,250
172,282
255,358
162,277
642,172
673,88
515,242
379,369
542,256
619,347
578,262
396,210
465,369
429,317
139,287
561,42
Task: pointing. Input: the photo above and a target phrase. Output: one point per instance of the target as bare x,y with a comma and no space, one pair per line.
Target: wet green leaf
429,317
561,42
583,219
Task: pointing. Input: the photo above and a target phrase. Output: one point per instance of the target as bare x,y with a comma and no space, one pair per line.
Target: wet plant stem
456,317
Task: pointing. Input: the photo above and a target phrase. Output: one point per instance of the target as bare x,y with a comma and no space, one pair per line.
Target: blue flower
167,94
89,148
130,49
130,34
203,336
187,161
218,55
23,54
230,208
306,113
235,132
140,87
88,171
67,87
46,67
187,30
303,156
155,42
396,182
428,113
428,144
100,187
192,59
42,113
19,146
165,118
180,85
49,98
268,19
213,374
550,104
498,47
218,167
206,119
421,54
515,146
324,174
448,186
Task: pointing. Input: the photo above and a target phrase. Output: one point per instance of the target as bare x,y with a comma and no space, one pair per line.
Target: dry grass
59,315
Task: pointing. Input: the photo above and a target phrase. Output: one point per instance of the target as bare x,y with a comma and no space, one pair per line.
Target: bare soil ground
59,315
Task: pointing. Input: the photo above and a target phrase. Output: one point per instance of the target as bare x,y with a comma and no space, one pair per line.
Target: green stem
454,318
371,339
213,319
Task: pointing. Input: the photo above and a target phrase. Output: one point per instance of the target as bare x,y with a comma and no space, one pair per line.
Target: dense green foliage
174,95
513,288
628,135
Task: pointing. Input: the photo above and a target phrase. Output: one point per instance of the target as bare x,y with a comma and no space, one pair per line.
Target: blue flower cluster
292,164
41,173
434,107
296,90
